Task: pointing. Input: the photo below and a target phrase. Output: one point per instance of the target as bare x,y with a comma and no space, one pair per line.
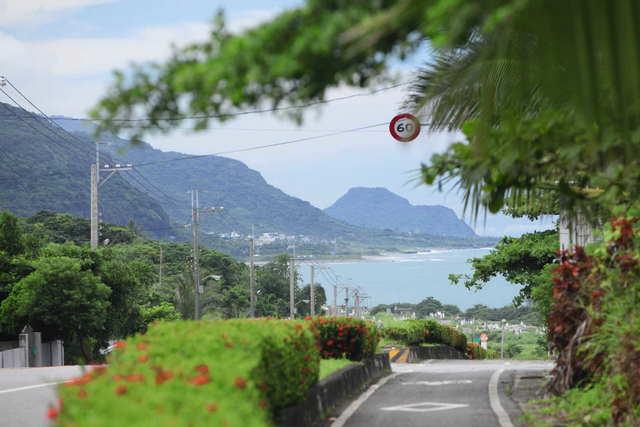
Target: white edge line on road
353,407
29,387
494,400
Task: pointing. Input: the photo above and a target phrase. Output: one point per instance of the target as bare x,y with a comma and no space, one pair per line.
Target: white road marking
29,387
353,407
436,383
425,407
494,399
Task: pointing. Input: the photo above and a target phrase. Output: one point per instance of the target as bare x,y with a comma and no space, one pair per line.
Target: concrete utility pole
196,251
252,277
502,340
335,300
292,285
195,236
160,267
95,185
346,301
356,309
312,293
94,207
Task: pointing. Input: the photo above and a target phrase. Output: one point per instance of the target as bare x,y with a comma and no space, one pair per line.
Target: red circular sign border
404,116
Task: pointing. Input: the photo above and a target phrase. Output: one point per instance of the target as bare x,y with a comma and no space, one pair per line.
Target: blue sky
61,53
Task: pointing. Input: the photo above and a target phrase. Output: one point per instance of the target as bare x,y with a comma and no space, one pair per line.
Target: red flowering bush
594,327
339,337
231,373
475,352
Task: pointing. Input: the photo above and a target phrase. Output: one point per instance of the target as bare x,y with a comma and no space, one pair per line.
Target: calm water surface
413,277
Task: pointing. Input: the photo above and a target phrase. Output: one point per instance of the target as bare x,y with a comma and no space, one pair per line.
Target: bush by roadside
235,373
420,331
345,337
475,352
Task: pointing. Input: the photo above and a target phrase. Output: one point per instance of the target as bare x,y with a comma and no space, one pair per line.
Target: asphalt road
25,394
456,393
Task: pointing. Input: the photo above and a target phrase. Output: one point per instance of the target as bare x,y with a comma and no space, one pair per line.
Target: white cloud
14,12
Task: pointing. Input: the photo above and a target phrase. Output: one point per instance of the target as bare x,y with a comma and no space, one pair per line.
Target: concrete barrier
334,391
415,354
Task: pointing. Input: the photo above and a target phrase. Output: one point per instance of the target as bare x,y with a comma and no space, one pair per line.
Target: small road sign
404,127
484,337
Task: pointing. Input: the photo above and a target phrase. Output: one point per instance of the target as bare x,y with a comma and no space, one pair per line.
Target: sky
61,54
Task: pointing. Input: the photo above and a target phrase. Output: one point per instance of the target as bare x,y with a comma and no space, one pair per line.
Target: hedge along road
456,393
26,393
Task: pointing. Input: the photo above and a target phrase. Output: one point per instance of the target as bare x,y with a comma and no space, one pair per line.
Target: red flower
200,380
162,376
307,318
263,404
202,368
142,346
82,393
143,358
211,407
329,342
229,344
240,382
120,344
134,378
52,412
121,389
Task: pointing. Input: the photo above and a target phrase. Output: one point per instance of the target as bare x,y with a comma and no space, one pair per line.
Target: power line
43,113
260,147
40,120
255,111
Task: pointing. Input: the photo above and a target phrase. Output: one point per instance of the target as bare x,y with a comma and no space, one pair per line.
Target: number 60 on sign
404,127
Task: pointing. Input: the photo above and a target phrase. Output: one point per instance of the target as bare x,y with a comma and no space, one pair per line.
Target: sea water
411,278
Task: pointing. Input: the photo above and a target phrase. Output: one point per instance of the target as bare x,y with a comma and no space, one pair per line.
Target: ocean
411,278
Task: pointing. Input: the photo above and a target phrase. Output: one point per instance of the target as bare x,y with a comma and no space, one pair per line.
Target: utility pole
160,268
95,185
252,277
195,207
94,207
502,340
356,309
195,236
335,300
292,285
312,293
346,301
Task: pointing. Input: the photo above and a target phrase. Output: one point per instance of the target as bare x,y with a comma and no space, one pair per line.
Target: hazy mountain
248,200
379,208
42,168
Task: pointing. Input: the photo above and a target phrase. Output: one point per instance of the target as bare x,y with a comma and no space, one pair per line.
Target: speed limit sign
404,127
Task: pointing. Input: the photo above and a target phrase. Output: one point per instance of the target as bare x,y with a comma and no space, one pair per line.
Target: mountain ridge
379,208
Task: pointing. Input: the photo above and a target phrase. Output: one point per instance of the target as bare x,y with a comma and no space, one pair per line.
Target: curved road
456,393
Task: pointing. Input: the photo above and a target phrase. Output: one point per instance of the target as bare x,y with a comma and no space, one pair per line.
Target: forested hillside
42,168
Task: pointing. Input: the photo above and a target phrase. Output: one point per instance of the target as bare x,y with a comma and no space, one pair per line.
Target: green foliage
345,337
62,301
198,373
320,298
416,332
11,239
329,366
523,261
523,313
475,352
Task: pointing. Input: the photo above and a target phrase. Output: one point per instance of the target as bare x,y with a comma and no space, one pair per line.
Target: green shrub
474,351
419,331
235,373
345,337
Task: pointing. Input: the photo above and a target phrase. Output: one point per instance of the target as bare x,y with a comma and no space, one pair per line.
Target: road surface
25,394
440,393
456,393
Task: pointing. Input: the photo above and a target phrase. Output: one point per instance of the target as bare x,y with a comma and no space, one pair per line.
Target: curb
334,391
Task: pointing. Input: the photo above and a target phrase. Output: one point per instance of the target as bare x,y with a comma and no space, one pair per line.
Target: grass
329,366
